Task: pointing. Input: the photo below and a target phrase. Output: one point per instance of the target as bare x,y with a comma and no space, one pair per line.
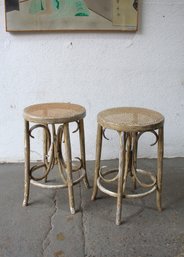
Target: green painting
72,15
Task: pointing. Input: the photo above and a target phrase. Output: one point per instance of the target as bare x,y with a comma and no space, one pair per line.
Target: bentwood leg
160,167
82,150
97,163
134,157
69,168
122,152
27,163
45,151
128,157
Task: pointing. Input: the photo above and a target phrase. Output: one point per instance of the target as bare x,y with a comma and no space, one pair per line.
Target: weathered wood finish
82,149
46,116
121,177
45,151
160,167
134,157
27,163
69,167
130,123
97,163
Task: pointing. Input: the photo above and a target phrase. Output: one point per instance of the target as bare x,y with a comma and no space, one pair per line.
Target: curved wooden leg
82,150
45,150
69,168
98,158
27,163
134,157
124,158
160,167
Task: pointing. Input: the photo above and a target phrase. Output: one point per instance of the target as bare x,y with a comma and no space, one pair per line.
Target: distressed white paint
97,70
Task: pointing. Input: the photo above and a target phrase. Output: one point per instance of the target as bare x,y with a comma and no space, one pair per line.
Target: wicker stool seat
130,123
54,119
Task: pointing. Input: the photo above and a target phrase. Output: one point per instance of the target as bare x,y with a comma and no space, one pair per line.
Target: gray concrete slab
46,229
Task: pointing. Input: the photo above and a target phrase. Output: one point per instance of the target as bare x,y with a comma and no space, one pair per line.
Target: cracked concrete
47,240
47,229
66,236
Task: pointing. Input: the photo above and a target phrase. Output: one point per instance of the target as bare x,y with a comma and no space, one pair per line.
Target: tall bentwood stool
54,119
130,123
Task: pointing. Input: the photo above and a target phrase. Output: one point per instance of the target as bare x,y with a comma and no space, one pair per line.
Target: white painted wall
97,70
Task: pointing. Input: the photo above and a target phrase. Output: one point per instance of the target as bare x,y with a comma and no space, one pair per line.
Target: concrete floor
46,229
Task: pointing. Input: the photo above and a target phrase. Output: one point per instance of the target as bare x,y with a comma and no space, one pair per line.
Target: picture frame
71,15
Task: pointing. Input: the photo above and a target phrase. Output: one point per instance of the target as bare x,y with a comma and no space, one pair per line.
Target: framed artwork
71,15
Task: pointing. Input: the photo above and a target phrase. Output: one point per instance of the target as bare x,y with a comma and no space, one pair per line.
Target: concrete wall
97,70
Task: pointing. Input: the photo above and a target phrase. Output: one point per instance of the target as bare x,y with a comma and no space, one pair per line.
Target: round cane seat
130,119
54,113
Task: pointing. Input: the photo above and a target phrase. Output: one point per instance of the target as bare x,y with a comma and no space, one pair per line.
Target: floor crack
46,240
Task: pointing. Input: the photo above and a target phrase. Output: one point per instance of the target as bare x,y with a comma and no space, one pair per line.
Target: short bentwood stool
54,119
130,123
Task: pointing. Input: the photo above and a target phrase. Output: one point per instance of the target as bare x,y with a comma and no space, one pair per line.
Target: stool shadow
173,193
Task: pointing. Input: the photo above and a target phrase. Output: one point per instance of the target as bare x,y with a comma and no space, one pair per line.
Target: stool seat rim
130,119
53,113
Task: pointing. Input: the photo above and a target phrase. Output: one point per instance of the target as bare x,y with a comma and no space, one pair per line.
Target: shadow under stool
54,119
130,123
